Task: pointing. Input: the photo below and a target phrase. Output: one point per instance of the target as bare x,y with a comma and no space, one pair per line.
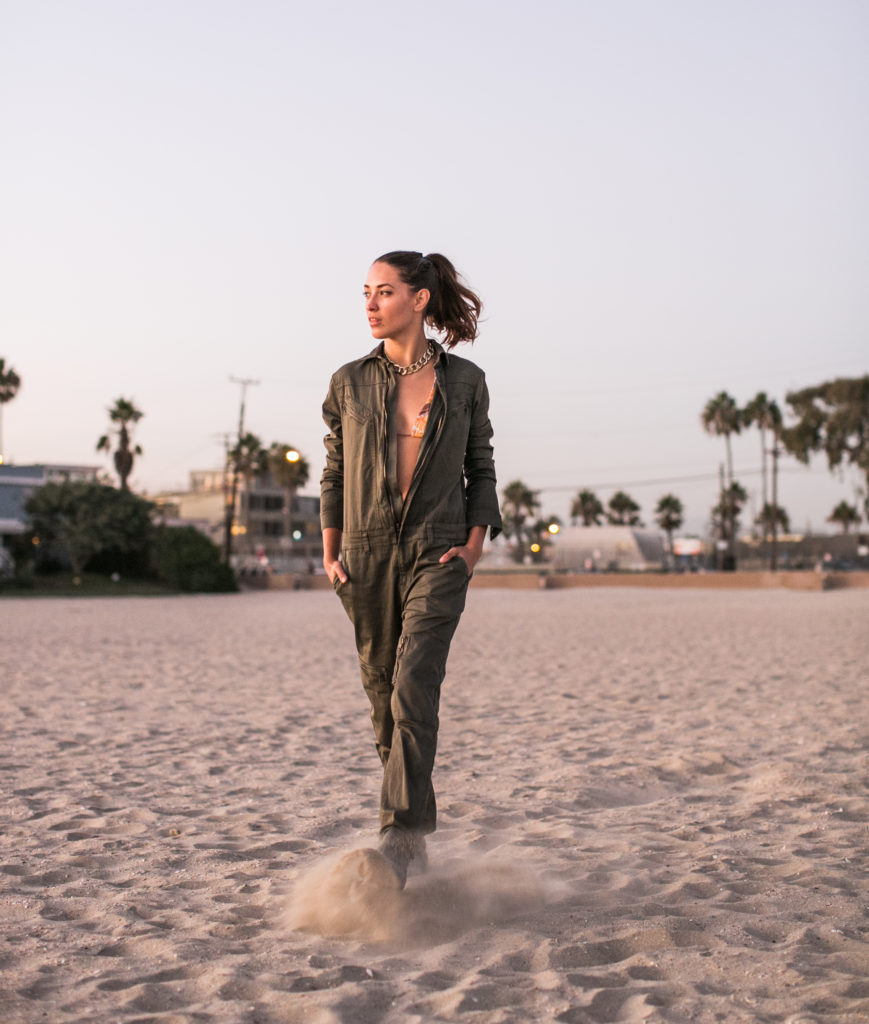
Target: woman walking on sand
407,495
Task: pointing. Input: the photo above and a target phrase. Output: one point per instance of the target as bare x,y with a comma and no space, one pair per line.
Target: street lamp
292,457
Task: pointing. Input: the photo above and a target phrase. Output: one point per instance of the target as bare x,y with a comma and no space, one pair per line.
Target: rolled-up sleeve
332,480
481,484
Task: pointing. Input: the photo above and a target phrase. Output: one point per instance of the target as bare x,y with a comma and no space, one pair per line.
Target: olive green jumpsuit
403,602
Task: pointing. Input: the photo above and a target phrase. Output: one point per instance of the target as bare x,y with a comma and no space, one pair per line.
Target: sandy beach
654,806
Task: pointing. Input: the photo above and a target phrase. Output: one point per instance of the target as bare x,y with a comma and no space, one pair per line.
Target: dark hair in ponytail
453,308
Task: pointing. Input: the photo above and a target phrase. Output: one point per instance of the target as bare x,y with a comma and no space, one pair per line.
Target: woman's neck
405,351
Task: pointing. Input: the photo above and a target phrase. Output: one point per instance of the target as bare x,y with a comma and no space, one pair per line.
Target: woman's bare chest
413,402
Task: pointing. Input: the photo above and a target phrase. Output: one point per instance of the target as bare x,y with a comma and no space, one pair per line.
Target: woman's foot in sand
403,849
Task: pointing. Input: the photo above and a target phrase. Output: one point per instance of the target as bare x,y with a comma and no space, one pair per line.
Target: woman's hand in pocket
467,555
335,570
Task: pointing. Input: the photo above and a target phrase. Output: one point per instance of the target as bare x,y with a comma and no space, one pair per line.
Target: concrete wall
709,581
533,579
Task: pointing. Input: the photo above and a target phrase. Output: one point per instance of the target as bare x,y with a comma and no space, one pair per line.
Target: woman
407,495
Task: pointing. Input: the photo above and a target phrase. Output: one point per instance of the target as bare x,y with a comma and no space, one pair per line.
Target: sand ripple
654,807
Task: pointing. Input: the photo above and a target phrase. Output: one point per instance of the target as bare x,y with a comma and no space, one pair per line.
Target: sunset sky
656,201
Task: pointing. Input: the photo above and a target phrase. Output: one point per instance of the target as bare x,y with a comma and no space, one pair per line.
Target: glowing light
553,528
293,455
535,548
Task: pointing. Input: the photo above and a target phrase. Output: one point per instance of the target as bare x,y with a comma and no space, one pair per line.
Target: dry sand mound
356,895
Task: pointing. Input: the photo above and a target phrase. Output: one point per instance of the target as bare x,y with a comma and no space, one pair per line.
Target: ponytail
453,308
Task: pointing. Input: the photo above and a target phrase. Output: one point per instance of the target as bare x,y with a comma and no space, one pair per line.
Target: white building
590,548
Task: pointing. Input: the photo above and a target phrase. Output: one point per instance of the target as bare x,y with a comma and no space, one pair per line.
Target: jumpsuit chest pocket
356,410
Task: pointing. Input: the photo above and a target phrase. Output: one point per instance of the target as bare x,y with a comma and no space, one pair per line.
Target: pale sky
656,201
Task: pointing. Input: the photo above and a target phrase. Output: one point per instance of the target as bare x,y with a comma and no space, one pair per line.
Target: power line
695,478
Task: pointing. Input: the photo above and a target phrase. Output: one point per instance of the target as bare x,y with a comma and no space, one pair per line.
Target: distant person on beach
407,496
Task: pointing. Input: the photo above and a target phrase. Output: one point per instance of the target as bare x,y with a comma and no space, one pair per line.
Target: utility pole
233,487
773,555
226,440
723,518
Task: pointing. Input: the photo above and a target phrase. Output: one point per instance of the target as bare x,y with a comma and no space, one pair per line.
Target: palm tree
290,470
125,416
588,507
763,412
845,515
248,459
622,510
519,503
726,512
10,382
669,515
721,417
771,517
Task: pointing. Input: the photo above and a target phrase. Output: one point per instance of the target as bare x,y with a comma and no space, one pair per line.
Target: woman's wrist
475,541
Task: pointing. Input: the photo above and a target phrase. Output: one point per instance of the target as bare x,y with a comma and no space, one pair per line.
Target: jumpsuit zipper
384,450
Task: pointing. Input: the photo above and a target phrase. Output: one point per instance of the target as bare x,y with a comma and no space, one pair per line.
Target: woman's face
393,309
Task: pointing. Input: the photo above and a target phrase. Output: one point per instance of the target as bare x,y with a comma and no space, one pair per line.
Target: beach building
597,548
266,532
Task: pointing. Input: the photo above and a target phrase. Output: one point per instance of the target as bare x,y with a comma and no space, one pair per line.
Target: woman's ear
420,299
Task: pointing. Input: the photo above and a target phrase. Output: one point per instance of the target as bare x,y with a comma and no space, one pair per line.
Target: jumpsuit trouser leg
405,606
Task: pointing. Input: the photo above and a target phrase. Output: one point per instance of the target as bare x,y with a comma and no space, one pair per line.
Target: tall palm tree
10,382
763,412
290,470
721,417
845,515
588,507
622,510
520,502
124,415
669,515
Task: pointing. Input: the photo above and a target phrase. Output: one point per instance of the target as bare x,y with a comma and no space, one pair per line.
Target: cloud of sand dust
356,896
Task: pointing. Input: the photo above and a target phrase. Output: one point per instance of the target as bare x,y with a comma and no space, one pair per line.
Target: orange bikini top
418,428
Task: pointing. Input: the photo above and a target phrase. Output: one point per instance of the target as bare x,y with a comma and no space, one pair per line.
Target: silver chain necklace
423,360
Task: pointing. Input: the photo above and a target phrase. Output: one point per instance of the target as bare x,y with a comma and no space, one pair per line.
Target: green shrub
79,525
187,560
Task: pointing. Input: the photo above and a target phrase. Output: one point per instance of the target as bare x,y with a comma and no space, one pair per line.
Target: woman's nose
371,303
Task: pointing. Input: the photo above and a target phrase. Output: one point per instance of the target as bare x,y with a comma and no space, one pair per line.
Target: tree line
530,533
830,419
